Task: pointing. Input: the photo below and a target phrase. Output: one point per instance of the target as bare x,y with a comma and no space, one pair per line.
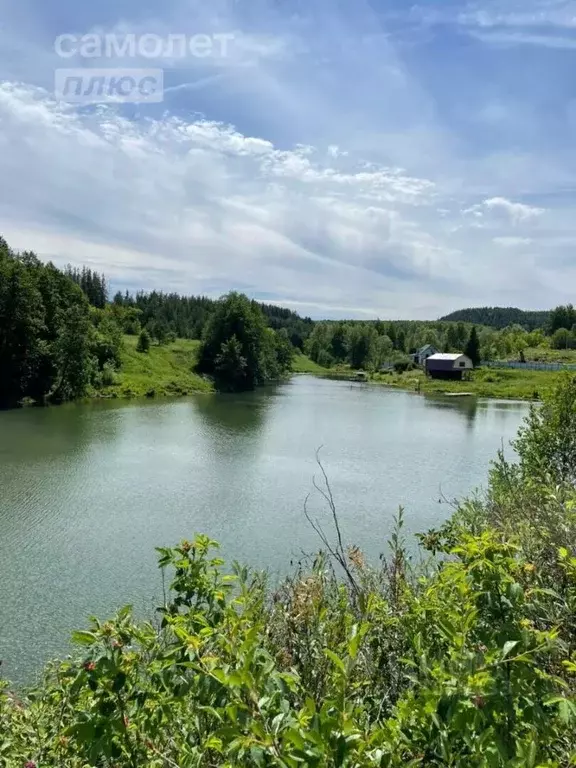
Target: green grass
303,364
163,371
485,382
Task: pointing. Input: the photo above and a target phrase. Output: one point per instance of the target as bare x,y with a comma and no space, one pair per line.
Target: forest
500,317
62,336
62,339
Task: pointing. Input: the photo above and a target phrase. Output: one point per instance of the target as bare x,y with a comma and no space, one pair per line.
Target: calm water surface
88,491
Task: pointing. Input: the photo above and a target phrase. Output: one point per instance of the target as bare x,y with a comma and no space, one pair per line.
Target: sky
344,158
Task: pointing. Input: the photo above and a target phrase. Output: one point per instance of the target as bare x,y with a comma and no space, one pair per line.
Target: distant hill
499,317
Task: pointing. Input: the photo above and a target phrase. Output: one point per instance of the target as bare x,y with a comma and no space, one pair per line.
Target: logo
109,86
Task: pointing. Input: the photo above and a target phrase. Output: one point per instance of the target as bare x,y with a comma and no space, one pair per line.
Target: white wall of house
463,363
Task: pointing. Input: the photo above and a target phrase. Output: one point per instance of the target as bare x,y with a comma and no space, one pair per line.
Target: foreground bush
469,661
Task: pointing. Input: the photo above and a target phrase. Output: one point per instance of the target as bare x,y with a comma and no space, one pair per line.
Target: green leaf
119,682
508,646
336,660
84,638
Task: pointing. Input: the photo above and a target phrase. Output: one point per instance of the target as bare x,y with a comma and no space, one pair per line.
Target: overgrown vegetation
238,350
467,661
501,383
165,370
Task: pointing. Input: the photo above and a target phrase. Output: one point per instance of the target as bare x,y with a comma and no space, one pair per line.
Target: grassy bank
303,364
493,382
164,370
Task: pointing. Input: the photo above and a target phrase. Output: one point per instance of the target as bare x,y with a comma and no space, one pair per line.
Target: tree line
60,334
500,317
53,344
369,345
169,314
60,337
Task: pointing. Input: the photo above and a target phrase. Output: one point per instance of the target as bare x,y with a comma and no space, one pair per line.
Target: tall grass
164,370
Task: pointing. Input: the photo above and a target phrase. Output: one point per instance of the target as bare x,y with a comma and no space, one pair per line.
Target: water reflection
467,407
88,491
240,414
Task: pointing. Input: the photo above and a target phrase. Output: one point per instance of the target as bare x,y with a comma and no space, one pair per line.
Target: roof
425,347
446,356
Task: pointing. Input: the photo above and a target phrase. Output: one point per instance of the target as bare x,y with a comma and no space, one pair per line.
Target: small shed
424,353
448,366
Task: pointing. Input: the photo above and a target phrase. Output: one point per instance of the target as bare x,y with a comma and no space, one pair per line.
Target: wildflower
30,764
89,666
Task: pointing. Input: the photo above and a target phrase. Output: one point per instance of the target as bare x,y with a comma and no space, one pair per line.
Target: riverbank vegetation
165,370
501,383
464,656
239,351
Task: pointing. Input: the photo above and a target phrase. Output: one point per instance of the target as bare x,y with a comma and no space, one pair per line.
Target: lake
88,490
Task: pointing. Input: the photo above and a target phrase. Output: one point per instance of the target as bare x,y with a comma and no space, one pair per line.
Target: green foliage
143,345
500,317
563,339
473,348
562,317
238,350
167,369
230,365
546,444
186,317
52,345
93,285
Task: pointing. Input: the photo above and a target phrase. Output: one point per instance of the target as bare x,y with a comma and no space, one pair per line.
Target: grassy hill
164,370
303,364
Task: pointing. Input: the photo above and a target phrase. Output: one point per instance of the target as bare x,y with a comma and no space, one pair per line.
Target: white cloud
511,38
199,207
500,208
512,242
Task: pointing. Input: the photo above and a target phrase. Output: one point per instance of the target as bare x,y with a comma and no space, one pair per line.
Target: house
423,354
448,366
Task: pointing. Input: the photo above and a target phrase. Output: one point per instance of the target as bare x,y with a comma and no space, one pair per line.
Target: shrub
108,376
143,344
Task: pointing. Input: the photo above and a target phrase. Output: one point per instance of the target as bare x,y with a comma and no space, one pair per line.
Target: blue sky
351,158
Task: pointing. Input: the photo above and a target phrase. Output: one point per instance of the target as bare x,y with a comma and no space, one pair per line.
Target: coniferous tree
473,347
143,344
